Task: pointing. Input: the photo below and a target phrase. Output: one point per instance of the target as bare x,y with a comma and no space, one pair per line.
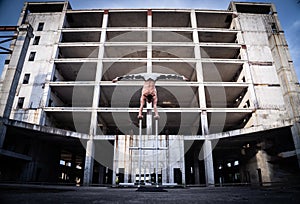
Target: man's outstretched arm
172,76
129,77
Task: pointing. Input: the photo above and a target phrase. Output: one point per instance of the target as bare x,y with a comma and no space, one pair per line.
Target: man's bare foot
156,117
140,117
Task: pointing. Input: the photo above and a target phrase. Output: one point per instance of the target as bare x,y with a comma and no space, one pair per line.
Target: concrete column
51,69
208,161
90,148
196,168
182,166
101,174
149,42
89,162
207,153
288,81
3,129
296,137
73,168
167,159
12,76
116,160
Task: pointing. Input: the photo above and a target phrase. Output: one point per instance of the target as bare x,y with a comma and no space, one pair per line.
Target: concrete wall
44,166
40,69
256,30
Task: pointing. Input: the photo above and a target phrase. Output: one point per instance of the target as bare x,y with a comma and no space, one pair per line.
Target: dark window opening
32,56
258,9
50,103
20,102
36,40
26,79
274,28
26,149
49,7
40,27
248,103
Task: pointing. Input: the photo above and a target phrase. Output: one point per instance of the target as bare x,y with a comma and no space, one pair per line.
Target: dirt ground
21,193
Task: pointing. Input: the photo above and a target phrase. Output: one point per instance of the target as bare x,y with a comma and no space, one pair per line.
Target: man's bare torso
149,88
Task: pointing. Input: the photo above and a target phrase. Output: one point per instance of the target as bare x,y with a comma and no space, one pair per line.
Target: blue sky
288,12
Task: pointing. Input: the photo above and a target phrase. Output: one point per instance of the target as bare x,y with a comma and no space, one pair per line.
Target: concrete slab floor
12,193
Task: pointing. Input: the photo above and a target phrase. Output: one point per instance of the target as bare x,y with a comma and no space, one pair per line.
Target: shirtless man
149,92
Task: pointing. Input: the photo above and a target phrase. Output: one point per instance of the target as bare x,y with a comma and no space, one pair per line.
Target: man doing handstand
149,92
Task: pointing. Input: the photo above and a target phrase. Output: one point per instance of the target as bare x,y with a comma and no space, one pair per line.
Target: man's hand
115,80
185,79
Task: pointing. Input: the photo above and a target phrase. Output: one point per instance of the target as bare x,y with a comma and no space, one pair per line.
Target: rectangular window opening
26,79
248,103
20,102
36,40
32,56
40,27
274,28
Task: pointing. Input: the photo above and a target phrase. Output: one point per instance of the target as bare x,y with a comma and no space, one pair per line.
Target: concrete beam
234,133
158,83
287,154
187,60
47,130
164,110
15,155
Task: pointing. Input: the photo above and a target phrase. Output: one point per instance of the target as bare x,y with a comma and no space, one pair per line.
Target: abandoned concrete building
236,120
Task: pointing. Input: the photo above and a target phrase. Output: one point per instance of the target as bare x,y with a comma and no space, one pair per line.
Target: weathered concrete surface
64,194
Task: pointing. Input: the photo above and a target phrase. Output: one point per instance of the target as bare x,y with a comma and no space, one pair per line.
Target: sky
288,12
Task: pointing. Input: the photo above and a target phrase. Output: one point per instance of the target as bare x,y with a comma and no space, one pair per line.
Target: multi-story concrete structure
235,121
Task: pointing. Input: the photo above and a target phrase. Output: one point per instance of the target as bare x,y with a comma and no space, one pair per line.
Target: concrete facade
235,121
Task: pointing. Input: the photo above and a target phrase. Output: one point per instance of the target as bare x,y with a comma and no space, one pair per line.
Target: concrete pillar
90,148
116,160
296,137
208,162
196,168
3,129
182,160
288,81
12,76
101,174
73,168
89,162
149,41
